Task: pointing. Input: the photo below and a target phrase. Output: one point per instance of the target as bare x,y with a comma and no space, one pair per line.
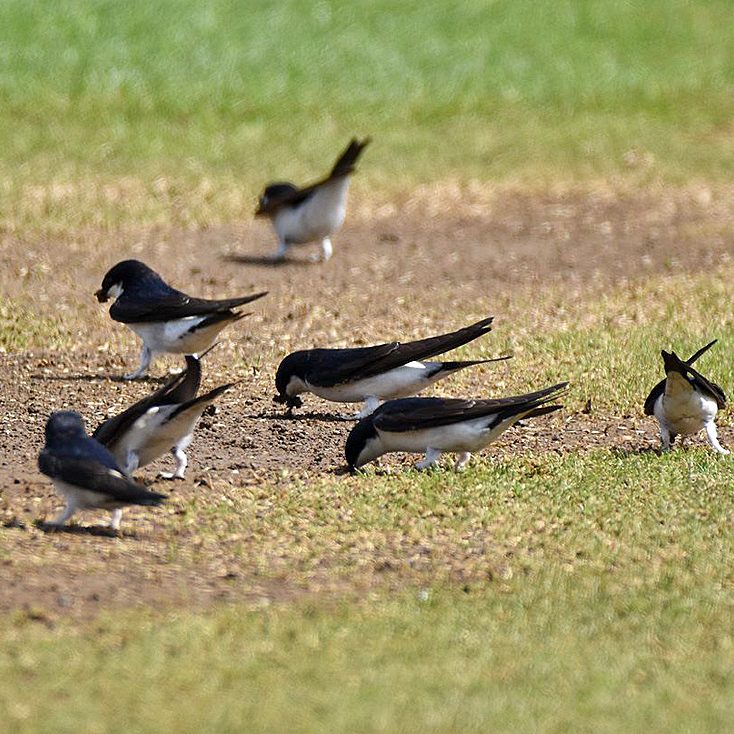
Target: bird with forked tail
376,373
436,425
686,402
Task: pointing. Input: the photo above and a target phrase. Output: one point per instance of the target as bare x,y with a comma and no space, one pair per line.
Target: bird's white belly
180,336
401,382
318,217
468,436
153,434
84,499
685,411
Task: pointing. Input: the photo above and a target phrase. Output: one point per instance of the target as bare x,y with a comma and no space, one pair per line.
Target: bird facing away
435,425
166,319
85,473
685,401
373,374
315,212
161,422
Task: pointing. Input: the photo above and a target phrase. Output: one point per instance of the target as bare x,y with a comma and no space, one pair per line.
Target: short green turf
598,593
588,591
604,605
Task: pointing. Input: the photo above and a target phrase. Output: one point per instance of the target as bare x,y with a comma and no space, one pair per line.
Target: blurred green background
535,92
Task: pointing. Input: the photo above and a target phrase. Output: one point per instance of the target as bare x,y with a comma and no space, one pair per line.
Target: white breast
682,409
471,435
467,436
155,433
84,499
180,336
400,382
318,217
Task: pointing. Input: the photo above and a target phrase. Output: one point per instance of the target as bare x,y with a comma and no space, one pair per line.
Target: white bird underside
318,217
468,436
85,499
400,382
180,336
155,434
683,410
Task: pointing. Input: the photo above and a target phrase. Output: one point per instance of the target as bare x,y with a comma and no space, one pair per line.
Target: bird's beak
102,296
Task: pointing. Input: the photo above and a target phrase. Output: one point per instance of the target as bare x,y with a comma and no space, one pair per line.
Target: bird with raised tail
161,422
432,426
85,473
167,320
685,402
312,213
373,374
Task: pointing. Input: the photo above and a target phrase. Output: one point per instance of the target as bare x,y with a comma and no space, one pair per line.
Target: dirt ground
396,273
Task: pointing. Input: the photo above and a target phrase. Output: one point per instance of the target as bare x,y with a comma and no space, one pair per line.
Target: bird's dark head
63,426
673,363
122,276
290,380
272,194
362,444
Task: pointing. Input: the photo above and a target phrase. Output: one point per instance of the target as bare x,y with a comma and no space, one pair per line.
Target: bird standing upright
685,402
315,212
166,319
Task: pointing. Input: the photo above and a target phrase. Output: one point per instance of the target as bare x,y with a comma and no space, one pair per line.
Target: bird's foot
170,475
134,375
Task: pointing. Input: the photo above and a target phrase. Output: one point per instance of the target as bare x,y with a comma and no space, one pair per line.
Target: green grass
589,591
597,596
184,104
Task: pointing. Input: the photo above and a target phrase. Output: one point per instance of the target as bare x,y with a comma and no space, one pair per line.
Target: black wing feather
177,305
202,399
344,165
96,477
329,367
410,414
178,389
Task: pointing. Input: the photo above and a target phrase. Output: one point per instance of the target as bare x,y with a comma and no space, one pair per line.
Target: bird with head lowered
373,374
433,426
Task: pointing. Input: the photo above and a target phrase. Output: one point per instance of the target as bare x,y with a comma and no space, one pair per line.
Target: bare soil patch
399,274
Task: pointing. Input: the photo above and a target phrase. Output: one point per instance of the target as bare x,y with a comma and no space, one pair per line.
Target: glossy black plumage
146,298
80,461
412,414
672,362
329,367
